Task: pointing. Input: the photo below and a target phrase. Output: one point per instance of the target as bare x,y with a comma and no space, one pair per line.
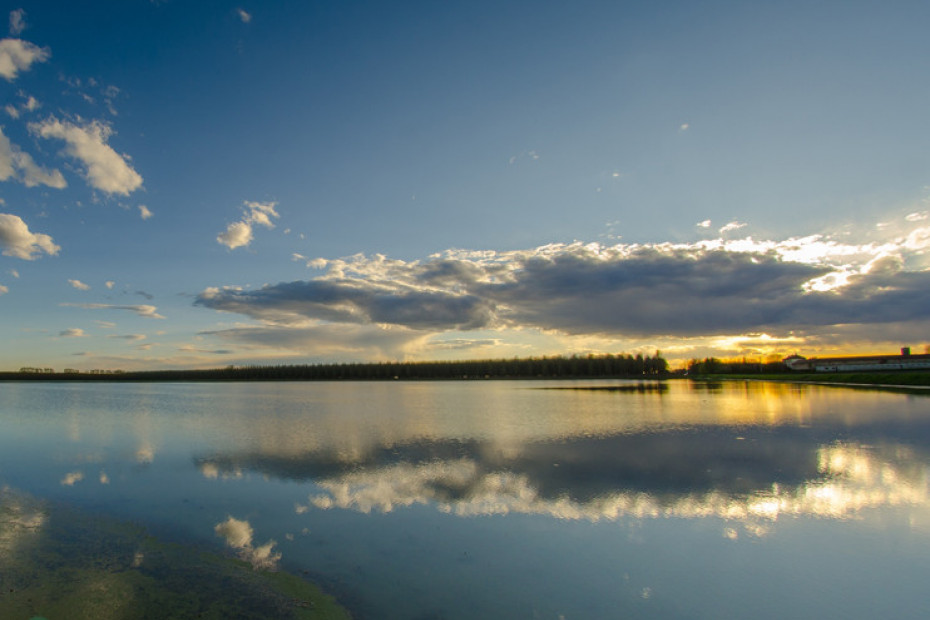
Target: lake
505,499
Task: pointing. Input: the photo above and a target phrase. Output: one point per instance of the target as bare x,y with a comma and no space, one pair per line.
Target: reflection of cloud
212,472
71,478
851,479
238,535
145,454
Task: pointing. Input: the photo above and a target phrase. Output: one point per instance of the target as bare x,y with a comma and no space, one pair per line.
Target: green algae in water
58,563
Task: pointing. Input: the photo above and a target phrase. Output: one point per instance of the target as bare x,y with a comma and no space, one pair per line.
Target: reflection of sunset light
20,519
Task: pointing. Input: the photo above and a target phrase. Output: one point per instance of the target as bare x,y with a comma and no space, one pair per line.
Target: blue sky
191,184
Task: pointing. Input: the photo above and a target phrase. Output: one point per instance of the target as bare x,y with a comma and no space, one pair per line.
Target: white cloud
704,224
105,169
684,127
4,290
144,212
14,273
110,284
244,15
16,164
730,227
79,285
237,235
917,217
73,332
17,21
721,287
143,310
11,110
17,55
240,234
17,240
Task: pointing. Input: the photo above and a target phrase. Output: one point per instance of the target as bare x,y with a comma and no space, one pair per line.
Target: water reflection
606,479
238,535
21,519
751,463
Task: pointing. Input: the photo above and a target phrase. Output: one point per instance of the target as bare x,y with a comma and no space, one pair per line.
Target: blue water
507,500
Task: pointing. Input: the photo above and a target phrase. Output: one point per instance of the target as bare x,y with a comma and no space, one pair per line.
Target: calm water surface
507,500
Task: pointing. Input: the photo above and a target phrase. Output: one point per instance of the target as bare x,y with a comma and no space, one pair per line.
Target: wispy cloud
729,227
130,337
73,332
17,22
245,16
17,55
239,234
79,285
144,212
104,168
145,311
18,241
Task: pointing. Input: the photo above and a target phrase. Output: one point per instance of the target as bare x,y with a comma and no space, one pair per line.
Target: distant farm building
905,361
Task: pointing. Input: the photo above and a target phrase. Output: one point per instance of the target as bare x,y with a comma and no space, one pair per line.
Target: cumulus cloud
104,168
18,165
143,310
239,234
716,286
17,55
17,22
144,212
79,285
18,241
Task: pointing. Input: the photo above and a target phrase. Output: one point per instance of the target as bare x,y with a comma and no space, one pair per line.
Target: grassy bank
900,378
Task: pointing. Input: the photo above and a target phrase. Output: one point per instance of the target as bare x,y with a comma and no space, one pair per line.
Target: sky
212,183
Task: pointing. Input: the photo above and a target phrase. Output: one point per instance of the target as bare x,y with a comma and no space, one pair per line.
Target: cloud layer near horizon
723,287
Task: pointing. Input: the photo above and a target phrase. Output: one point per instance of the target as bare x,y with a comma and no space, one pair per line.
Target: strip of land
916,380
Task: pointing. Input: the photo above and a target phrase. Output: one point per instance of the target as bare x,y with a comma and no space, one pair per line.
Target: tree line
714,366
547,367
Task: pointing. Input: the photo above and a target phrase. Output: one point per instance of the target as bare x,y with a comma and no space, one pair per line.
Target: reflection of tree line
575,366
